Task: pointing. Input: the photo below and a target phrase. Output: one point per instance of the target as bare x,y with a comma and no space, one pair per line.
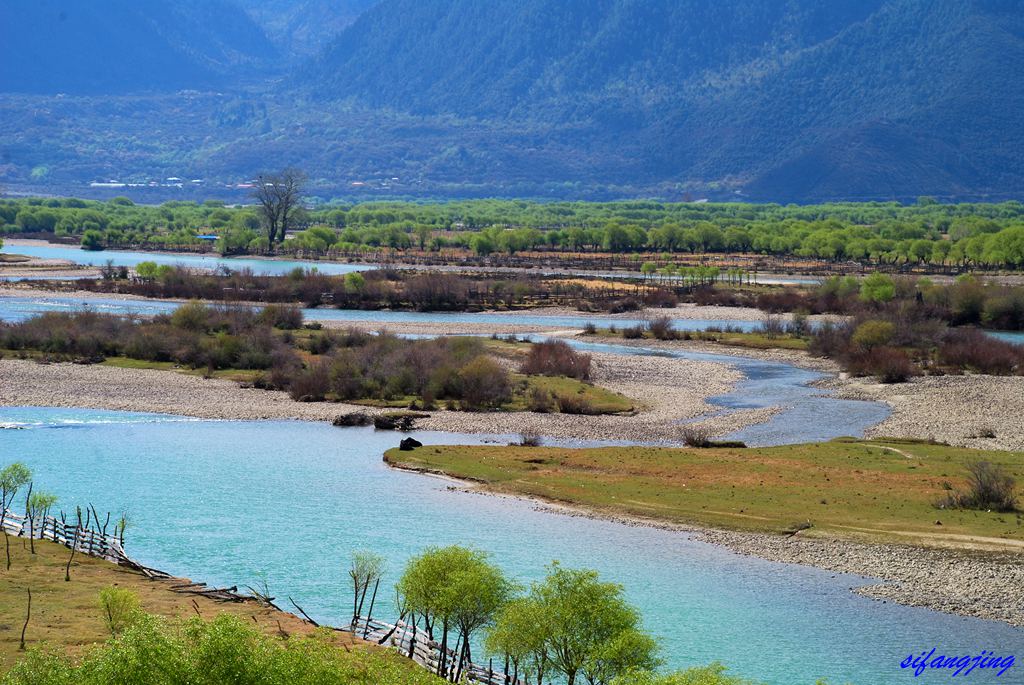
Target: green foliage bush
873,333
153,651
120,607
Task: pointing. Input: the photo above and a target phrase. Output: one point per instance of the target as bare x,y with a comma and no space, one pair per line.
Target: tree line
928,233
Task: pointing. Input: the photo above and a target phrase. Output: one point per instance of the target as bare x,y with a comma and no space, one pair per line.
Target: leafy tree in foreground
37,508
707,675
154,651
577,625
120,608
453,588
365,570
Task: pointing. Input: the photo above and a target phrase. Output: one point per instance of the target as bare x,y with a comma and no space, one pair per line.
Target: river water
196,261
282,266
299,497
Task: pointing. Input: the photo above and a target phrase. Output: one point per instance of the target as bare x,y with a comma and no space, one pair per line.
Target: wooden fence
84,538
417,644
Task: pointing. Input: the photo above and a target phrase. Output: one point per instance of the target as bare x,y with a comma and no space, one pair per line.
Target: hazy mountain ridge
772,99
302,28
118,46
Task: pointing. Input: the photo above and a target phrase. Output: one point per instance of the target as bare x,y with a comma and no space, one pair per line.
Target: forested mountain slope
798,98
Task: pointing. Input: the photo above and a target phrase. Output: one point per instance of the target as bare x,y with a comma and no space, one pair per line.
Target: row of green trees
925,233
569,627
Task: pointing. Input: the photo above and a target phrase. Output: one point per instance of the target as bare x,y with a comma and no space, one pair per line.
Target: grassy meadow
880,490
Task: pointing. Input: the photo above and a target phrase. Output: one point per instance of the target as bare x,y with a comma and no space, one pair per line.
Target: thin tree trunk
28,615
444,647
369,613
359,609
28,513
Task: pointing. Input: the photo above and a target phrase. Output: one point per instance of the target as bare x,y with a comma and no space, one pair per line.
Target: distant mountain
118,46
507,57
302,28
786,100
779,98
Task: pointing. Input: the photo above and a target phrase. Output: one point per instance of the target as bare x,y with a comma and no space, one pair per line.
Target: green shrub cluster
154,651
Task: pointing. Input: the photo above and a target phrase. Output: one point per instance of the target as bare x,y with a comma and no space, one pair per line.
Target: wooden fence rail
417,644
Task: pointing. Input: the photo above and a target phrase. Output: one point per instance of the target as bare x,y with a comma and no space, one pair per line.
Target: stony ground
986,412
964,582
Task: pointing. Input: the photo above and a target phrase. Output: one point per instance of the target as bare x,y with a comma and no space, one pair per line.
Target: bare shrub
661,328
626,304
556,358
889,364
540,401
284,317
830,339
695,436
989,488
772,326
574,404
633,332
661,297
530,440
311,384
589,328
972,349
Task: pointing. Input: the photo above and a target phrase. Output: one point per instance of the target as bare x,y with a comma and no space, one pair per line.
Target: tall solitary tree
279,196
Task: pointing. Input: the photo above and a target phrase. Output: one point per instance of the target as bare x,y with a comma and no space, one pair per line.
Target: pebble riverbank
984,412
982,584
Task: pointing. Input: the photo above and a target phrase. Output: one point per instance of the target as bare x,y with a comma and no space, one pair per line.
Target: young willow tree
37,508
365,570
13,477
574,624
454,588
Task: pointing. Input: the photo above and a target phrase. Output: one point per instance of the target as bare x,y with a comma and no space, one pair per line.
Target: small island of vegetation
272,349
